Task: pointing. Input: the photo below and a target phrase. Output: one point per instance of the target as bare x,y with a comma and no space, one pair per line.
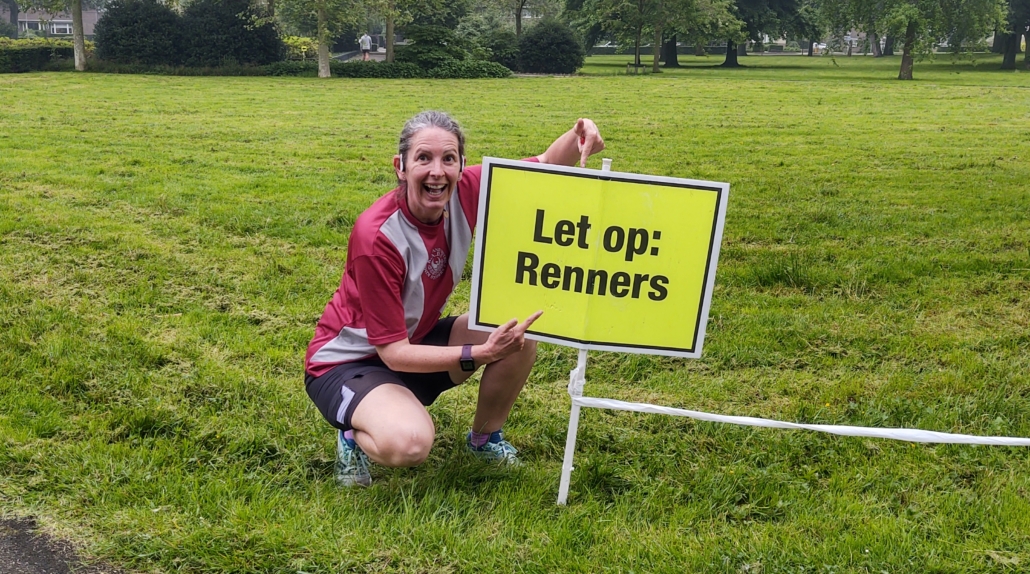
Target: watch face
468,365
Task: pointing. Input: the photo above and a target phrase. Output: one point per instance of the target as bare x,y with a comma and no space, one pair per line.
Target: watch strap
466,361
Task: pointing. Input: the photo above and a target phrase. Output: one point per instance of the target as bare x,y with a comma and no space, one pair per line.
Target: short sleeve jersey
399,274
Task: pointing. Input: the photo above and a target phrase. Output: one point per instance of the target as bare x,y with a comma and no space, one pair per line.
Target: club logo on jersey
437,264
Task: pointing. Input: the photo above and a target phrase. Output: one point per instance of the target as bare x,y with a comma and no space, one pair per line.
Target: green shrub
220,32
8,30
139,32
293,68
550,47
504,48
465,69
300,47
431,46
33,55
468,69
106,67
376,70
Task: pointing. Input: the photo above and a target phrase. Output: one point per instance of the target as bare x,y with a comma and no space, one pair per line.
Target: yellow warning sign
616,261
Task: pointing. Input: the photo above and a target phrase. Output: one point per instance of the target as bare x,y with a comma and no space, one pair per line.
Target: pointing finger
529,321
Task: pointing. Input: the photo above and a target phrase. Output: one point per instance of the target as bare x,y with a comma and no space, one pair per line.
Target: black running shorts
338,392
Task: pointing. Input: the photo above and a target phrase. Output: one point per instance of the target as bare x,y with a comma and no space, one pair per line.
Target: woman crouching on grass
381,353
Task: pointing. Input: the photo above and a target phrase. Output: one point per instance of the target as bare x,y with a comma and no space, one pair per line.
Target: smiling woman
381,353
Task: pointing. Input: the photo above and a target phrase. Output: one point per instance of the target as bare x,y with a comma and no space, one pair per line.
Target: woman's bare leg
392,427
502,380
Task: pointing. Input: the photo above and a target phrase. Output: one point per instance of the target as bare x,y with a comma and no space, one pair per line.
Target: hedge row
22,56
465,69
16,58
456,70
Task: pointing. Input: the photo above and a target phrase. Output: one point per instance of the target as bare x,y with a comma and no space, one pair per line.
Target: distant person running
381,353
365,43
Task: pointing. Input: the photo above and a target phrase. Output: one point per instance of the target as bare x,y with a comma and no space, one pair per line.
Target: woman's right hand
508,339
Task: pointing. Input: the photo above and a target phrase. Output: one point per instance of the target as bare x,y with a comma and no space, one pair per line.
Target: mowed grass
167,244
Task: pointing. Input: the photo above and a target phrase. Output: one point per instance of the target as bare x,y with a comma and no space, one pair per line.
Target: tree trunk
699,49
78,39
811,47
874,43
1026,55
888,45
12,8
998,45
636,48
1010,46
669,55
654,49
518,19
323,40
731,55
742,48
906,56
389,38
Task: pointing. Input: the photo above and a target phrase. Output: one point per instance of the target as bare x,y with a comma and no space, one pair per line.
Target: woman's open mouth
434,190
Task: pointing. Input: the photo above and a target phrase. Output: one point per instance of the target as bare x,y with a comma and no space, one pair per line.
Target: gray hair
429,119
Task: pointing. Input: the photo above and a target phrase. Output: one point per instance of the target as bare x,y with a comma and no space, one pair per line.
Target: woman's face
432,168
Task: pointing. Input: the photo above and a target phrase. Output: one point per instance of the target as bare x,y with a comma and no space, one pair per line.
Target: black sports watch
466,362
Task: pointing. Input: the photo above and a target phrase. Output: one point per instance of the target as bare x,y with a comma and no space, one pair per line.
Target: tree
922,25
701,22
433,46
12,9
487,25
438,13
215,31
807,24
550,47
399,13
759,17
627,20
396,13
75,8
1018,12
331,17
139,32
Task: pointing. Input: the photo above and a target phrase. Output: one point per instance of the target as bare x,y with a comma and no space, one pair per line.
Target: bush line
16,59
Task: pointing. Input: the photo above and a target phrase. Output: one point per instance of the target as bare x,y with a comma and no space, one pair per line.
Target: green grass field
167,244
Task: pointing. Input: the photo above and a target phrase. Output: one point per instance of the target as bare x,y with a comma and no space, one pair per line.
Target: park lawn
167,244
968,69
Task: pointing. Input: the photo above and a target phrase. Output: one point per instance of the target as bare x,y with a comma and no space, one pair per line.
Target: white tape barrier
912,435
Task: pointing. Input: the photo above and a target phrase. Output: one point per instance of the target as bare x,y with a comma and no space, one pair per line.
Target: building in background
36,23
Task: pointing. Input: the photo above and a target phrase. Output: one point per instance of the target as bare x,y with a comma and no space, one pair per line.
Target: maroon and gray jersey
398,277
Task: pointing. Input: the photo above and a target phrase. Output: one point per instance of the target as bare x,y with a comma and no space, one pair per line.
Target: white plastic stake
577,378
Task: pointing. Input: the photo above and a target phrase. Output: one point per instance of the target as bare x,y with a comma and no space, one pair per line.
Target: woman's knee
527,356
408,446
